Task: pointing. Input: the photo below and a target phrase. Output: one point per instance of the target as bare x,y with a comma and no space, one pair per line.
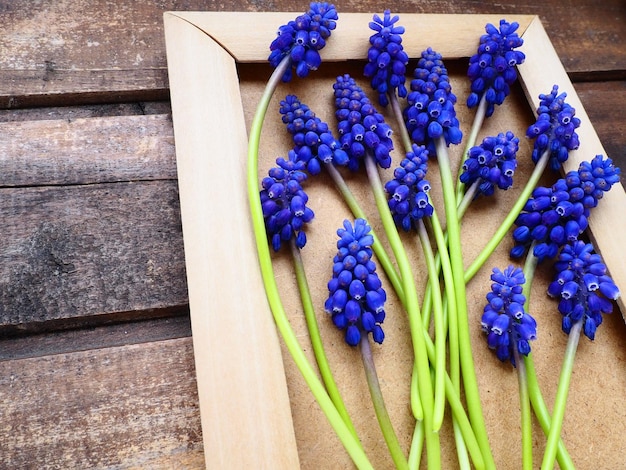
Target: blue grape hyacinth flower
356,298
557,215
507,325
408,190
301,39
283,202
361,127
492,69
554,130
430,112
386,58
314,143
583,288
492,163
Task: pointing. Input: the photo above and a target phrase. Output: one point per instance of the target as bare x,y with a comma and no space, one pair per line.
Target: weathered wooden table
96,361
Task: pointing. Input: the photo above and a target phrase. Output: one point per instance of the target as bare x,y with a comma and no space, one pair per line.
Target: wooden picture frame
243,389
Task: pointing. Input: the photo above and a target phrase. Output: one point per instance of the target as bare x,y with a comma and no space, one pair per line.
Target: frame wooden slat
244,404
350,39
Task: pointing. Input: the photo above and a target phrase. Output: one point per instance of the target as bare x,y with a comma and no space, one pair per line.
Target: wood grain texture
120,57
80,252
123,407
604,103
95,337
86,151
240,373
71,113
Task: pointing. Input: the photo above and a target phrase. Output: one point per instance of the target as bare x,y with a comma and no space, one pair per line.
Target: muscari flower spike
301,39
507,325
355,295
386,58
430,111
361,127
408,190
557,215
492,69
314,142
283,202
493,163
554,129
583,287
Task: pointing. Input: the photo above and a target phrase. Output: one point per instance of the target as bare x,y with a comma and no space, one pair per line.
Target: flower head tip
301,39
355,295
505,321
386,58
492,69
283,202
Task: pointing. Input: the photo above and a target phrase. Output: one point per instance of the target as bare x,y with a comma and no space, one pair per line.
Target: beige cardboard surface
594,414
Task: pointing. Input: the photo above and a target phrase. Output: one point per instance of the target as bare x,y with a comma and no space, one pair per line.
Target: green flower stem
379,249
379,405
440,338
417,443
352,445
468,371
463,429
527,438
461,448
459,417
508,221
416,404
397,112
316,340
558,411
479,118
450,302
542,414
464,433
442,261
468,197
425,386
536,399
440,334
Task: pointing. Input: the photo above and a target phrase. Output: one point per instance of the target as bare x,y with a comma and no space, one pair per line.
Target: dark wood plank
84,151
54,54
96,337
123,407
71,113
90,253
605,103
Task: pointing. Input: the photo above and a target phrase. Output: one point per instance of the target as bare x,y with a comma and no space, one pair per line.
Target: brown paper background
595,417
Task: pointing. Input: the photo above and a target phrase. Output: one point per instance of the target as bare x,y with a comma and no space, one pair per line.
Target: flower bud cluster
554,130
505,321
408,190
361,127
493,162
557,215
356,298
492,69
302,38
386,58
313,140
583,287
430,111
283,202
